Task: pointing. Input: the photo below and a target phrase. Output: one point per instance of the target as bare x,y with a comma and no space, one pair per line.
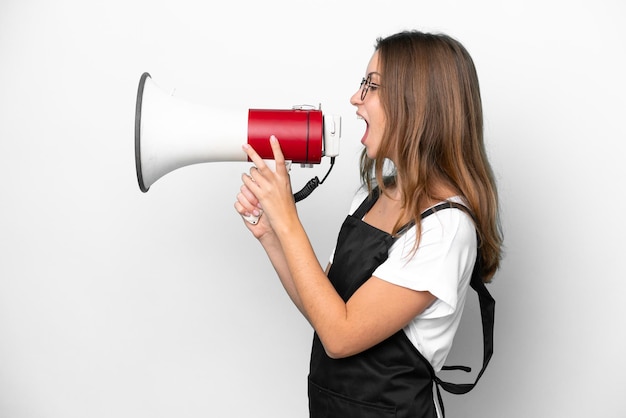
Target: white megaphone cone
171,133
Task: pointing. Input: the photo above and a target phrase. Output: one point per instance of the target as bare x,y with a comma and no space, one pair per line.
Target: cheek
382,119
378,115
379,123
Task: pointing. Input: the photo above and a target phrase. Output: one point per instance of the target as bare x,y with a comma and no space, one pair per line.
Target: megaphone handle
251,218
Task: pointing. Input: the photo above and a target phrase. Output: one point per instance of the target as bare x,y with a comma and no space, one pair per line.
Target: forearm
291,252
275,253
319,301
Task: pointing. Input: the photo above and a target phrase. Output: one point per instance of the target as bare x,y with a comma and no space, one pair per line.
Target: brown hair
434,133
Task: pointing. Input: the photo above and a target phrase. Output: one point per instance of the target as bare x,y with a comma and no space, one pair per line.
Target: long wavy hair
434,133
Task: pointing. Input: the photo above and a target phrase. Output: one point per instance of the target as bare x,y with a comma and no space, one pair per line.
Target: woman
386,308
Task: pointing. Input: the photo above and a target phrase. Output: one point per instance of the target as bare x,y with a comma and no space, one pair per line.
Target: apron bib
391,379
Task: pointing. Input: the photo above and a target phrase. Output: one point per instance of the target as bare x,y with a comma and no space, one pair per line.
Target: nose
355,100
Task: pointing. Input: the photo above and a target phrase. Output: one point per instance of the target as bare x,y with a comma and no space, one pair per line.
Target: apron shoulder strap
487,313
367,204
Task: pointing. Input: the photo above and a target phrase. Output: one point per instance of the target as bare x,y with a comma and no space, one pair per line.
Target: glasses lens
365,86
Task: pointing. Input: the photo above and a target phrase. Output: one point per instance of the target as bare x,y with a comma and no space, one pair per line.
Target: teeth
359,117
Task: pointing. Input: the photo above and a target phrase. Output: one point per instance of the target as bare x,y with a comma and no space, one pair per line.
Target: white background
115,303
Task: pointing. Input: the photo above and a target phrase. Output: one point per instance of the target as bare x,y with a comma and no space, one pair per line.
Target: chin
371,154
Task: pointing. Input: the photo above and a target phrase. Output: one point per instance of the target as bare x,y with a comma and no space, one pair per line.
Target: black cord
332,164
312,184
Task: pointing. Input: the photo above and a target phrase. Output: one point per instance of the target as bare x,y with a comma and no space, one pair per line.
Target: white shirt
442,265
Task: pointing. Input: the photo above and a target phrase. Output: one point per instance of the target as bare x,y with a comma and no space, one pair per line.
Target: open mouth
367,128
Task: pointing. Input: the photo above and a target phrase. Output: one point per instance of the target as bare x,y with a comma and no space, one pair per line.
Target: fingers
263,183
247,203
250,185
252,218
248,195
254,157
278,154
259,163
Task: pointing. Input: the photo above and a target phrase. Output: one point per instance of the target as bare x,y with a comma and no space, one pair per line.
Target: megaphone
171,133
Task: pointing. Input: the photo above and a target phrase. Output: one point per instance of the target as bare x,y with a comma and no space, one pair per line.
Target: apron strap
367,204
487,313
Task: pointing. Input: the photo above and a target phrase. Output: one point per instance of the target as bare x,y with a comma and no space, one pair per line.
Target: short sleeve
442,264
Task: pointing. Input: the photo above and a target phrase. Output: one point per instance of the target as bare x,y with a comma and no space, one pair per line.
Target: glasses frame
366,83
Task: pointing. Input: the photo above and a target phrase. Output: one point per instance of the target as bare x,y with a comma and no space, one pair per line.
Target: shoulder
443,261
451,223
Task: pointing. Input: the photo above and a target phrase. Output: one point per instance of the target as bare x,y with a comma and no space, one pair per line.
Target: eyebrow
374,72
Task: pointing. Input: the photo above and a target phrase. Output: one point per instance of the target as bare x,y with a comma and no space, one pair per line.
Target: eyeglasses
366,84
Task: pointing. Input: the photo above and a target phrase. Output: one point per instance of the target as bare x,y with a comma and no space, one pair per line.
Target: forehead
372,66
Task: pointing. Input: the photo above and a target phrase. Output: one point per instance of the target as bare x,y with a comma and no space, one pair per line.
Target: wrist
268,238
286,226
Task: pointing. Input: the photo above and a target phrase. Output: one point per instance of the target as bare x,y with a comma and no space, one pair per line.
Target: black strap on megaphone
312,184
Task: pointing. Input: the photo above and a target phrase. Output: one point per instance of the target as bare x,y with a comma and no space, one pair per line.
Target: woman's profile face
369,108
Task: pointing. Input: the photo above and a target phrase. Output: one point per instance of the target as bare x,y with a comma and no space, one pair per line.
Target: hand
269,190
248,206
